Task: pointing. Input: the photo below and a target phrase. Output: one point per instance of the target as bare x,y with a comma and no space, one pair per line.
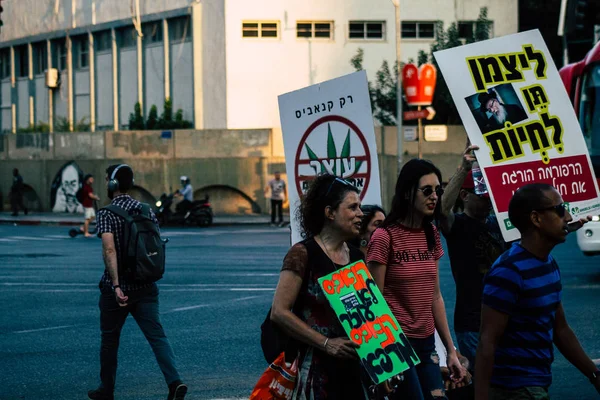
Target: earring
364,243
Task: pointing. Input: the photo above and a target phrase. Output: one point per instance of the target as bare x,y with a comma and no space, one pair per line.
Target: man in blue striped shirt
522,314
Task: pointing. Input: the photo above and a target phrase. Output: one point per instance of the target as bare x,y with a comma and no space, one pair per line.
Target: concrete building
223,62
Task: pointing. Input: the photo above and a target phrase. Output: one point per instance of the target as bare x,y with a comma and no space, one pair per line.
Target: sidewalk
39,218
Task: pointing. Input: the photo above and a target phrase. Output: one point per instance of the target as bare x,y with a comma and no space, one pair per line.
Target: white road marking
252,274
7,240
44,329
32,238
208,305
593,286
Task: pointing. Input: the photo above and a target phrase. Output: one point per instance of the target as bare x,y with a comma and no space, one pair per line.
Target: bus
582,82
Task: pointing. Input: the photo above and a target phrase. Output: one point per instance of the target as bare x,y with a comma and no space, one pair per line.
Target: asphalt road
215,295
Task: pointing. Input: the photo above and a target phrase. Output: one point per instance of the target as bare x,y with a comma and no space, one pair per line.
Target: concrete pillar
115,64
92,82
70,108
13,85
197,47
31,99
50,91
140,73
167,57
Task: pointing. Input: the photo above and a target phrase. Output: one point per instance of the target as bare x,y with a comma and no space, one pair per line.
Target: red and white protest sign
328,128
514,107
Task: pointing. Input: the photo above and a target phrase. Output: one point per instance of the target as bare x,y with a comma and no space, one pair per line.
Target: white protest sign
328,128
515,108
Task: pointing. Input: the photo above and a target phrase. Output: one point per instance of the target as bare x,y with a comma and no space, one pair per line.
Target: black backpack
143,251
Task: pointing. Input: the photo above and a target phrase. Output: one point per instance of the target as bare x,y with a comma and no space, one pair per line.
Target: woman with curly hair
329,367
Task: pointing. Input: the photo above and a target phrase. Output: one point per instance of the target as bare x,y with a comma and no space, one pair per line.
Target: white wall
258,70
104,90
214,64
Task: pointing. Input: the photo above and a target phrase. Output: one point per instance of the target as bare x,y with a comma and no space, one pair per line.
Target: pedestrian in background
278,194
403,257
16,194
88,197
119,297
522,314
474,243
329,367
373,216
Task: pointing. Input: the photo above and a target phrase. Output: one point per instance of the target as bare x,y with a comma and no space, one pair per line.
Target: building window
128,37
180,29
40,58
103,41
366,30
22,57
152,32
4,63
418,30
82,47
61,50
314,29
467,29
260,29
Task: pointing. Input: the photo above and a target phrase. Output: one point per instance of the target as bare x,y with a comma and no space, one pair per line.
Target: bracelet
325,344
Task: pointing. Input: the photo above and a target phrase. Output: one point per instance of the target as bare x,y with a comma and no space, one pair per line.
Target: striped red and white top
410,275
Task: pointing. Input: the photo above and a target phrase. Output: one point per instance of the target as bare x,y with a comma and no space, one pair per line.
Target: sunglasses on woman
343,182
428,191
559,209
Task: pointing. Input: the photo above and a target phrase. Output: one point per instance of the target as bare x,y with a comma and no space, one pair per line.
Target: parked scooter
198,212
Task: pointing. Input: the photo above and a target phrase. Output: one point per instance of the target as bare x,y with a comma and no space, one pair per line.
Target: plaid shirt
107,222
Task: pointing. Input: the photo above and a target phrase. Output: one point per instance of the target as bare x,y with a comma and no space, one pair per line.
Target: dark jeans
524,393
276,207
16,202
467,345
424,381
143,305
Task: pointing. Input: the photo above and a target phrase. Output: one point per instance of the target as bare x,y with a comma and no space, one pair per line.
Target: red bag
277,382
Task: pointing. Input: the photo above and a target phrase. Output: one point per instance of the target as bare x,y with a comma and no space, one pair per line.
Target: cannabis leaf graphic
332,152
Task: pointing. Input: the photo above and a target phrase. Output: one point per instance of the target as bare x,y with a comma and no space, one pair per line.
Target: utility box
52,78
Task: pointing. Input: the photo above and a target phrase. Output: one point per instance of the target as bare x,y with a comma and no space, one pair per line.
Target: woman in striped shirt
403,258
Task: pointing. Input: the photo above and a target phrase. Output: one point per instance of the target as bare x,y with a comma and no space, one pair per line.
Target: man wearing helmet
187,193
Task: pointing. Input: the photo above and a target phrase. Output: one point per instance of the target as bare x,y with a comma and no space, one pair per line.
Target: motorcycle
198,212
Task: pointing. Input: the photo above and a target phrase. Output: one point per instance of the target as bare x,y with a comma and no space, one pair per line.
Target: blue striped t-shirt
529,291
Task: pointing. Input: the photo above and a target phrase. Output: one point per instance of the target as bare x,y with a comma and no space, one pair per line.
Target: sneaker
281,224
272,224
177,391
100,394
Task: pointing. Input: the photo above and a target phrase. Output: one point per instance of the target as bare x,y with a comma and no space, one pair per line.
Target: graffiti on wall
65,185
38,141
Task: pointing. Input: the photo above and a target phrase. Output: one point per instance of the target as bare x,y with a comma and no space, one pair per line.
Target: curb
18,222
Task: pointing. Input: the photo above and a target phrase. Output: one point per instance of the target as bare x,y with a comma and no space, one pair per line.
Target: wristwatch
594,377
114,287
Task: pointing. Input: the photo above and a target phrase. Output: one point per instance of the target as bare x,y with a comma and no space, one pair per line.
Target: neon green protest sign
359,305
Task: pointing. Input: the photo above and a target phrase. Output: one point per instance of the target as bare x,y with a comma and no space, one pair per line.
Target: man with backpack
133,255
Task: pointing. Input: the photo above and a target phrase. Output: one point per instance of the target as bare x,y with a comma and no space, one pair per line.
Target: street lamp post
400,133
